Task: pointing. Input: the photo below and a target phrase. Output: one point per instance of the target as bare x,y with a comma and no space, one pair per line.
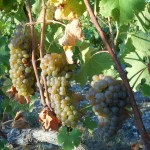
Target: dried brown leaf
21,123
49,121
73,32
13,93
18,115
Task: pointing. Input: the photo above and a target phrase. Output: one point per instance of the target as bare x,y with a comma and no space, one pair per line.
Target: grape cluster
21,71
56,69
109,99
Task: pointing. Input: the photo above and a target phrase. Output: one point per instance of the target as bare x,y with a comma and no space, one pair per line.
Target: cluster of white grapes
56,69
21,71
109,100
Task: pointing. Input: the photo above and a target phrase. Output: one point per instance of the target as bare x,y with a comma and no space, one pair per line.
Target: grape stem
137,115
41,50
26,12
33,54
90,106
9,121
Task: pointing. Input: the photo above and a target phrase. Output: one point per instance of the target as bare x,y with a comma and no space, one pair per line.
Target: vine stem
138,119
9,121
41,50
112,36
116,38
33,54
47,22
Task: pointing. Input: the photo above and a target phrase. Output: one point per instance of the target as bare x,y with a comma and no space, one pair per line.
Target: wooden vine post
138,119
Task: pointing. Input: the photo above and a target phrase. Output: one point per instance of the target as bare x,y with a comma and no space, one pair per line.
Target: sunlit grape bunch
109,100
58,73
21,71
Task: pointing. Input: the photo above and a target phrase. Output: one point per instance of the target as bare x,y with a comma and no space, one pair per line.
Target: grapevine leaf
141,41
76,137
120,10
62,135
37,6
70,10
78,6
69,139
123,31
95,65
143,19
87,50
138,70
89,123
136,56
52,36
127,49
145,90
4,53
8,4
111,72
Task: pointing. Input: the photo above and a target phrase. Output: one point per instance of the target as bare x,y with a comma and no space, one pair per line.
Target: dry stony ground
127,136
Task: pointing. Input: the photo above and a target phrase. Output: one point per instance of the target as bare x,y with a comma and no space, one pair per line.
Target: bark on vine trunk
138,119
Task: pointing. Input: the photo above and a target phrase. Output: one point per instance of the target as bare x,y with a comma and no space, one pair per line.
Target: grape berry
21,71
56,69
109,100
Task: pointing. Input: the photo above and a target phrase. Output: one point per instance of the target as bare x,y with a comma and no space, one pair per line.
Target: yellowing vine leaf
49,13
69,53
64,14
68,9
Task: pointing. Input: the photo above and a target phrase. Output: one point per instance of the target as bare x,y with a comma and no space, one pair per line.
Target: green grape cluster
109,100
56,69
21,71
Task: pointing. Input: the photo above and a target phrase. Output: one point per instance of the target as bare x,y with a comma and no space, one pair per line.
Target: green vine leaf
145,89
143,19
52,36
121,10
4,53
137,62
95,65
8,5
37,6
78,6
138,69
69,140
111,72
90,124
